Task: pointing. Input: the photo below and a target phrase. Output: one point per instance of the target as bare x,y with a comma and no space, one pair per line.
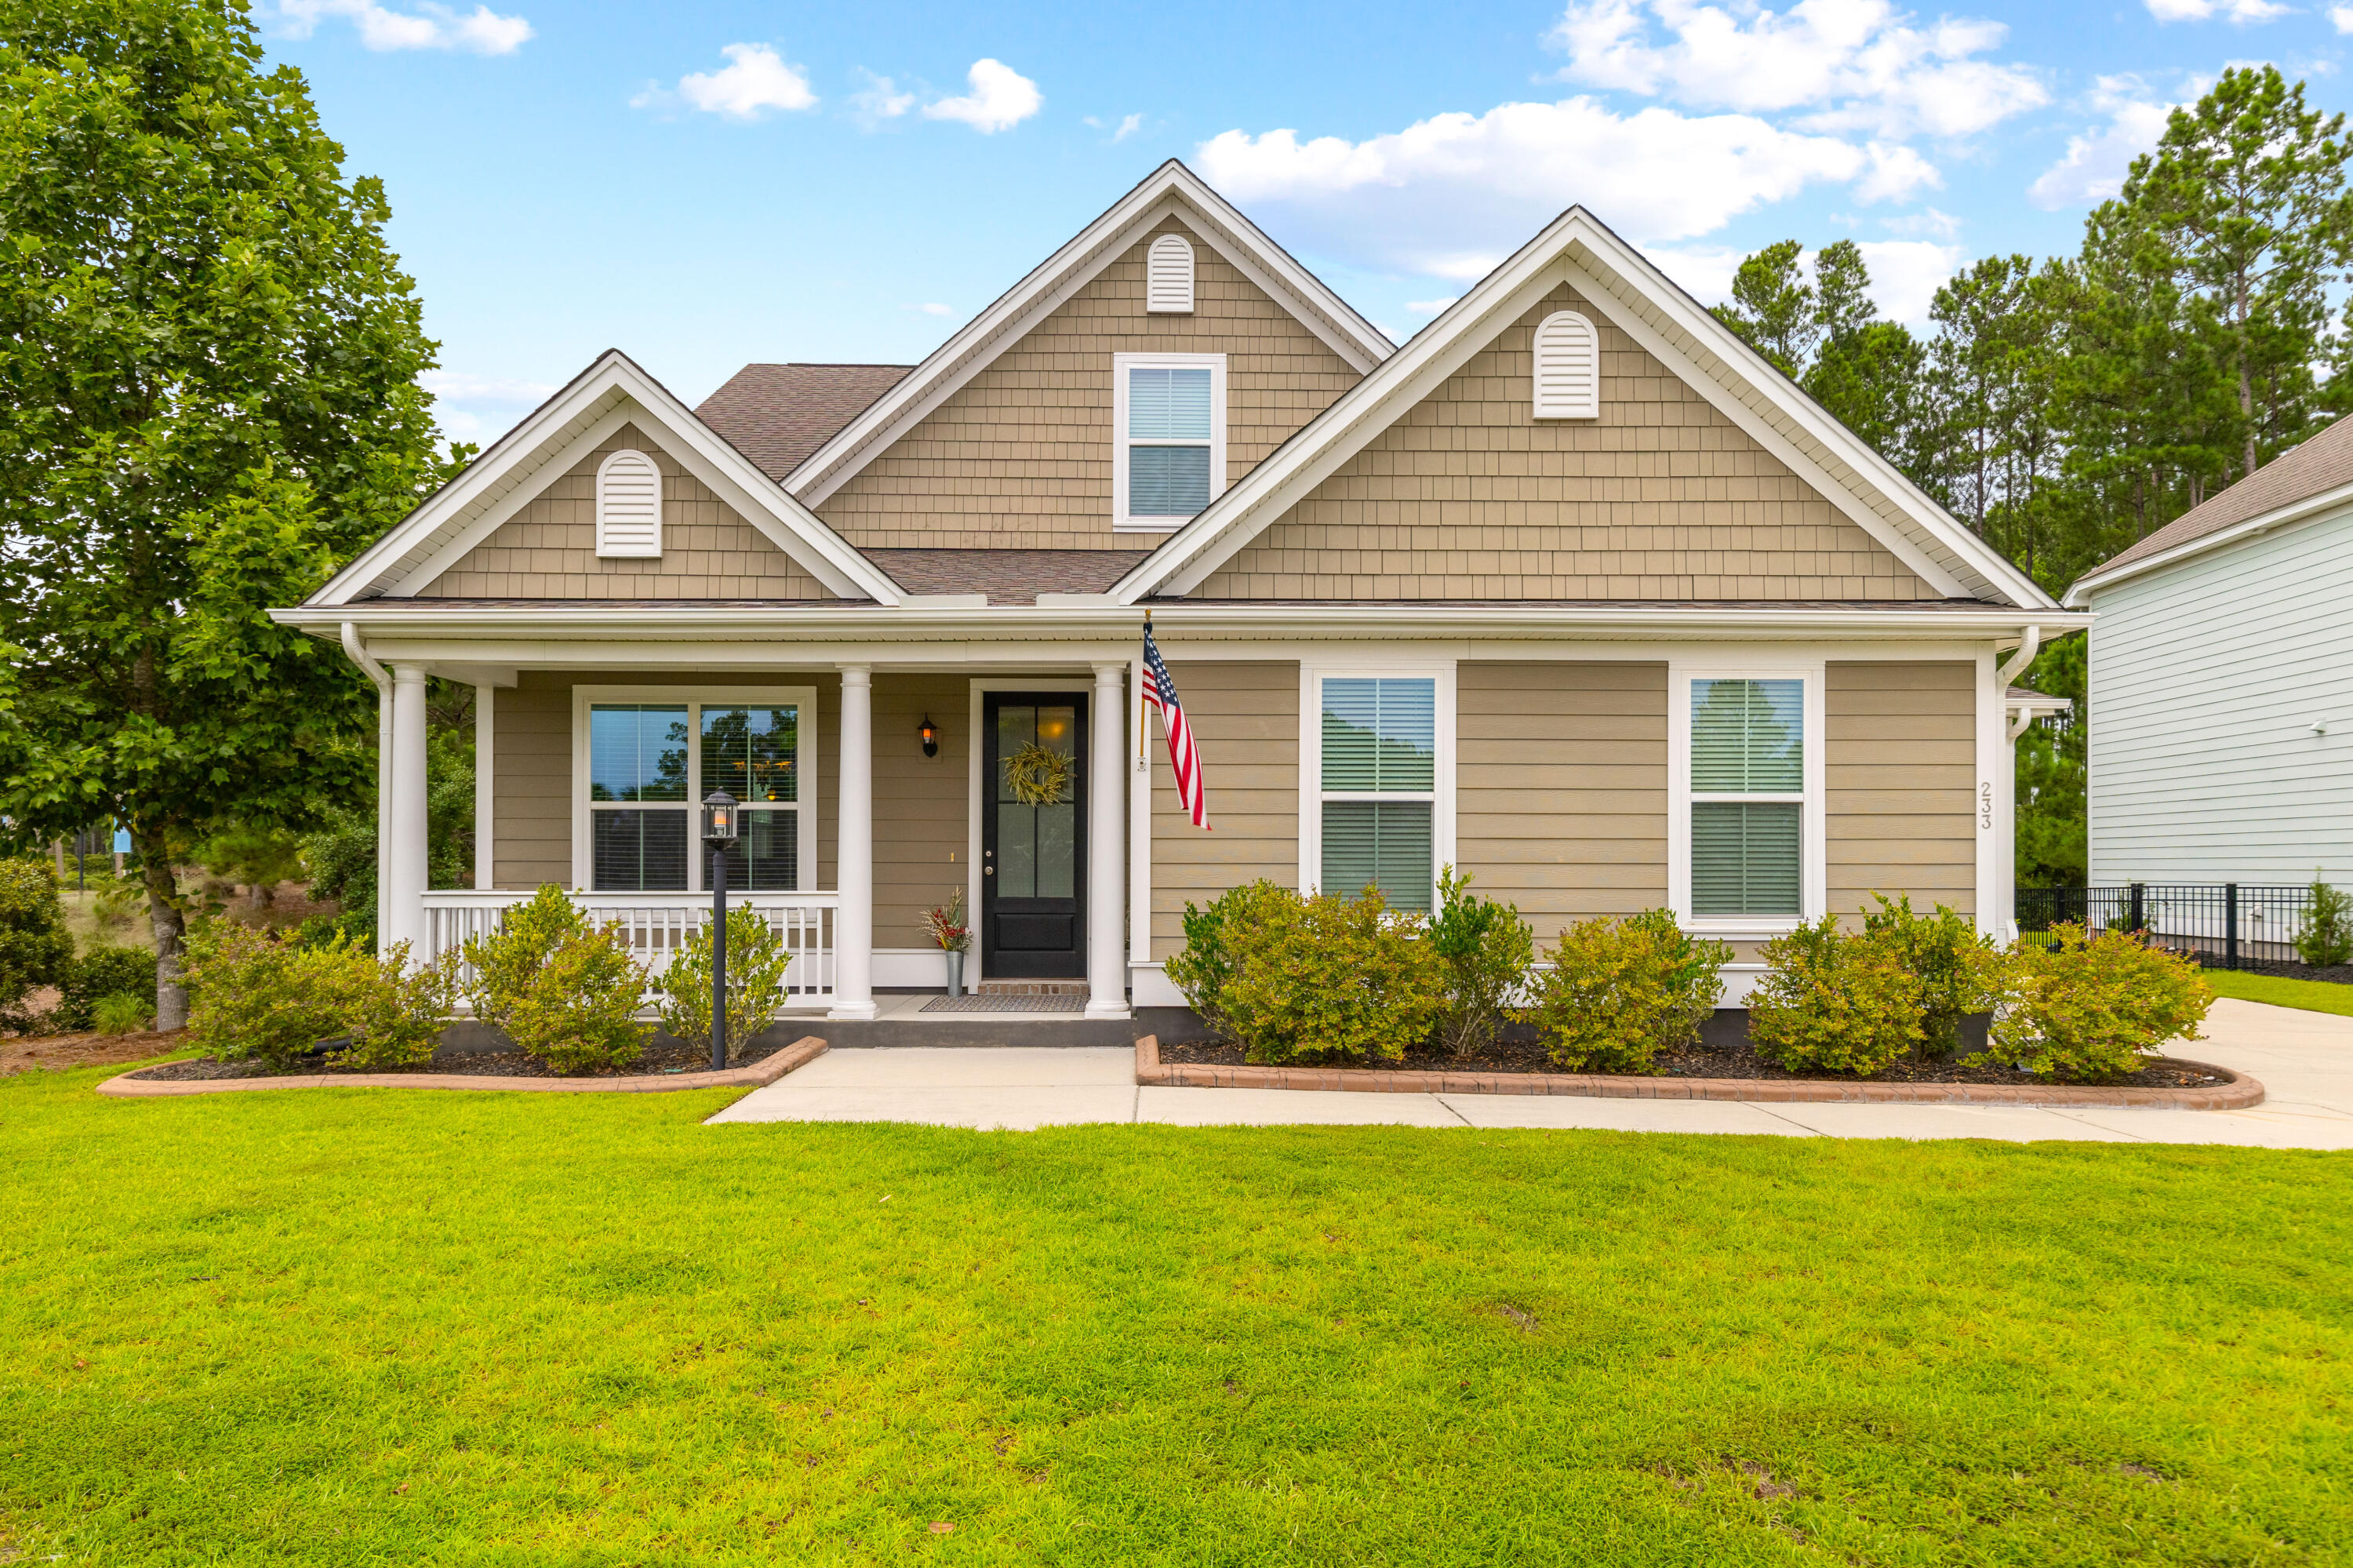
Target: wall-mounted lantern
931,734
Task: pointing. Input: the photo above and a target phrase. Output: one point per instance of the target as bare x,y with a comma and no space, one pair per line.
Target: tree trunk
164,916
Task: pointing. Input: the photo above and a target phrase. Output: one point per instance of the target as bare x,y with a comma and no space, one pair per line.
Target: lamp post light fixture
719,829
931,734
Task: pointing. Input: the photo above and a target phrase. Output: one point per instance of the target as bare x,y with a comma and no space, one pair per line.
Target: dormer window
628,505
1168,445
1168,276
1568,368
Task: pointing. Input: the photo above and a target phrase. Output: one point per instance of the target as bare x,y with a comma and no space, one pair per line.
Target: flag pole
1142,712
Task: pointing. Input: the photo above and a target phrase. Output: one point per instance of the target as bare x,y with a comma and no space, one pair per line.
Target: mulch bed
1701,1061
2334,974
658,1061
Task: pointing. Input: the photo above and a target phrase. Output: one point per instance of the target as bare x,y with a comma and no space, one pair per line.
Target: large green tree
209,399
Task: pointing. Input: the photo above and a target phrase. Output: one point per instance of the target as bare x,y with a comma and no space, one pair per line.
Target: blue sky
705,184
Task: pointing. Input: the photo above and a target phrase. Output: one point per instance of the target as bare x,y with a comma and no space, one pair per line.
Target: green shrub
1617,993
580,1012
2091,1006
1830,1002
35,946
1331,977
1205,968
100,973
2328,937
1485,949
757,959
125,1012
392,1014
1961,971
507,962
253,994
357,926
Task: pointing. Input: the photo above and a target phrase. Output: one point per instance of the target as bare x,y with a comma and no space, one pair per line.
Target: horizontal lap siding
1246,717
1900,763
1469,496
548,550
1561,788
919,802
1021,456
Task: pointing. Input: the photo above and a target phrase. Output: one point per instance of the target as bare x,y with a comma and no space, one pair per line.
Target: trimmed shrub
1485,949
1830,1002
1331,977
124,1013
1961,971
2328,937
1206,967
579,1012
2087,1006
1617,993
757,961
100,973
392,1015
35,946
507,962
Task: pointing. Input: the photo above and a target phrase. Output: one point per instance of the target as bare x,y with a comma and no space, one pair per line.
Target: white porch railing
658,925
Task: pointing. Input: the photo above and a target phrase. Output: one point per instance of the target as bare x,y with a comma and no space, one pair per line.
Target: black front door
1033,853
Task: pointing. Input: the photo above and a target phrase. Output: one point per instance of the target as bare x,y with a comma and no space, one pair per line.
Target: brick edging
2239,1092
759,1075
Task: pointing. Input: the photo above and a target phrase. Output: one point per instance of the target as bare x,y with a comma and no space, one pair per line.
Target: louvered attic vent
1568,368
628,505
1168,276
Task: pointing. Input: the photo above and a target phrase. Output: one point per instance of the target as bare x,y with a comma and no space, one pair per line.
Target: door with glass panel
641,805
1033,873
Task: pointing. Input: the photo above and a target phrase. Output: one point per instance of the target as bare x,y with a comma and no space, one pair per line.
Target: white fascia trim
1171,189
2311,509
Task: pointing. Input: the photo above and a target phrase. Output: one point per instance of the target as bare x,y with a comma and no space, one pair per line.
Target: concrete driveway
2304,1059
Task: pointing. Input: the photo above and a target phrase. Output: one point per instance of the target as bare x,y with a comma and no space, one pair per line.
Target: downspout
2029,645
2013,724
358,654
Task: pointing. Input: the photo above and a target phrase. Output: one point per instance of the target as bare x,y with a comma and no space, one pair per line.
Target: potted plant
947,926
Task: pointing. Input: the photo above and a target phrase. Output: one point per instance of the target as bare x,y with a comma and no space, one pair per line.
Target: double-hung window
650,762
1746,833
1377,770
1168,446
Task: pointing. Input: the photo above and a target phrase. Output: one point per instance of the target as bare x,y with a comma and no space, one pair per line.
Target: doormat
999,1002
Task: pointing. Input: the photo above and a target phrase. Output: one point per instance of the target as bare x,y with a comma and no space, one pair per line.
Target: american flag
1184,757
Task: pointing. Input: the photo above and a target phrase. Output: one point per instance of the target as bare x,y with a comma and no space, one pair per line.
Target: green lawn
387,1327
2313,996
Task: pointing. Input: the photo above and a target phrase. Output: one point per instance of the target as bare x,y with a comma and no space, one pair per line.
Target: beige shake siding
1021,456
548,550
1469,496
1900,754
1561,788
1246,717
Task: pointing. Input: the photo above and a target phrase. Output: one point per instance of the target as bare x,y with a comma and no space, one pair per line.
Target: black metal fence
2230,924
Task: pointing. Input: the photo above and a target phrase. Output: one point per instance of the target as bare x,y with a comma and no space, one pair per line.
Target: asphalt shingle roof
776,414
2323,463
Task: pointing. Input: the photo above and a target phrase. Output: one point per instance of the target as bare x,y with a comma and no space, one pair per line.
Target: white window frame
1813,820
1312,793
1121,364
606,548
696,698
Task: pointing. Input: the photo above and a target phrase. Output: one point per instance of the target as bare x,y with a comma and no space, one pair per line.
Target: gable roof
2322,465
778,414
613,391
1170,188
1620,282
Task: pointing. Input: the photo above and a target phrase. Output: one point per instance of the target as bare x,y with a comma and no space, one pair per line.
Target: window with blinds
649,766
1169,460
1379,780
628,505
1568,368
1747,797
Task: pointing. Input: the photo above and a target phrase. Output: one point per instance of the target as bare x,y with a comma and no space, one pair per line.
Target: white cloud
1853,65
429,26
931,310
754,80
1896,172
2094,167
1430,307
1905,275
1001,98
1943,224
1452,195
877,100
2242,12
2343,16
1703,271
1127,127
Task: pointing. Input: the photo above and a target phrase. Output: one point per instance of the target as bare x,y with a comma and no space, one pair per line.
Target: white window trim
1121,364
1311,794
607,551
805,767
1814,821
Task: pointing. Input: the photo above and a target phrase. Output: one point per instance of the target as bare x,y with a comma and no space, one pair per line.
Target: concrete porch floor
2304,1059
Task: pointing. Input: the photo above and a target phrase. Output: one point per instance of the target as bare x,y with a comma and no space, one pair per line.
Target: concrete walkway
2304,1059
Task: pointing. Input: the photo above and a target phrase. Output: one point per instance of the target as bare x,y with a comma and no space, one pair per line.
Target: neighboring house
2220,696
1572,592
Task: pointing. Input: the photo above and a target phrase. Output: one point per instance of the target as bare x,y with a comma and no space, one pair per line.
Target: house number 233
1985,805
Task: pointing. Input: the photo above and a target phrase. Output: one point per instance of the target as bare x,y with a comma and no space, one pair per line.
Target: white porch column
854,931
1107,848
401,897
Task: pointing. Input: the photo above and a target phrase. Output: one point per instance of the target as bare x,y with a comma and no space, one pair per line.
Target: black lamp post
718,831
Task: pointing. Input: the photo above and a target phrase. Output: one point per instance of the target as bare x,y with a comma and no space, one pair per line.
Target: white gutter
358,654
2028,646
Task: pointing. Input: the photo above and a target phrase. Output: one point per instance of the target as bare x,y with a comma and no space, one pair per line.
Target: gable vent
1568,368
1168,275
628,505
